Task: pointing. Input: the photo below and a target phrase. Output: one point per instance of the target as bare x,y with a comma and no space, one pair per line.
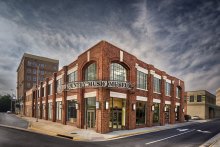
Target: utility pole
37,94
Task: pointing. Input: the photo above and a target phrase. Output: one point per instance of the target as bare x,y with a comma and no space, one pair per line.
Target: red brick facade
103,54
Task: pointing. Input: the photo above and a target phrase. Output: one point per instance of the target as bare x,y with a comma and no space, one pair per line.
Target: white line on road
168,137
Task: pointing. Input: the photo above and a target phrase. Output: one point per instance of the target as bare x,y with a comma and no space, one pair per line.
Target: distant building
201,103
27,73
218,97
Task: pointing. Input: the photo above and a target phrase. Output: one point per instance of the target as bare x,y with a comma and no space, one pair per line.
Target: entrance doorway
156,114
90,110
167,114
117,113
91,118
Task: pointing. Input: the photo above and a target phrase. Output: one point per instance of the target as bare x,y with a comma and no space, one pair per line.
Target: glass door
156,114
117,121
91,118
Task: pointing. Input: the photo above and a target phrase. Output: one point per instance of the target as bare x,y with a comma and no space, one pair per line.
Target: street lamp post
37,94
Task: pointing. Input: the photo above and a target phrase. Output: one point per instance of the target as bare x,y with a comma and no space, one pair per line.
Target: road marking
203,131
182,130
168,137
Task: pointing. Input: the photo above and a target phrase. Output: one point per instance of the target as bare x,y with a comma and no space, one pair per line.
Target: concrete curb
211,142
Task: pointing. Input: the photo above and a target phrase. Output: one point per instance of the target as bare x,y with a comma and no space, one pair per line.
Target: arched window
118,72
90,72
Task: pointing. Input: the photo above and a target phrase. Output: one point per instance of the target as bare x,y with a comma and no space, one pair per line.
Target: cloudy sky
181,37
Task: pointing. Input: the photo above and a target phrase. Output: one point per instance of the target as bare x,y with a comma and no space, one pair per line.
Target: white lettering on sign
88,84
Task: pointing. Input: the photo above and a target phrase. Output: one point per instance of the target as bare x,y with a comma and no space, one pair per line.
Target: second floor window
157,85
141,80
118,72
90,72
167,88
58,83
49,89
72,77
178,92
191,98
199,98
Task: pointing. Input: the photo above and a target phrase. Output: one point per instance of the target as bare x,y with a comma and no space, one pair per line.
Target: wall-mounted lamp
165,109
77,106
175,109
152,108
106,105
133,107
183,110
97,105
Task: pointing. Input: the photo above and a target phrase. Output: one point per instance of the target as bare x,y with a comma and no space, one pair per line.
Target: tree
5,103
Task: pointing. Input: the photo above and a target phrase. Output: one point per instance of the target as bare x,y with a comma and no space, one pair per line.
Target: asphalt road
12,120
188,136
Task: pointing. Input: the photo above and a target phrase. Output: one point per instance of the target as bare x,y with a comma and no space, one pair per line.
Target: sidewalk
213,142
71,132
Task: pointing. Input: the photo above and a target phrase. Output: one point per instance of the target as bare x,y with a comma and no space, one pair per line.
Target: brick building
108,89
27,74
218,97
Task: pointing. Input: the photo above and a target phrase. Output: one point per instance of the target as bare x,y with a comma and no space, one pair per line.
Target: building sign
92,84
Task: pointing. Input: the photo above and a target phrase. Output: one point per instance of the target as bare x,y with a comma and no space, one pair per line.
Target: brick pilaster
54,97
64,96
46,99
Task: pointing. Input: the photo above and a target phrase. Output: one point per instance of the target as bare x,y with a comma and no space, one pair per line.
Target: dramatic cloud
179,37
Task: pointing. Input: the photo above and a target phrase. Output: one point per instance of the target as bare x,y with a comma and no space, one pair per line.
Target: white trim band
72,69
156,100
59,99
90,94
177,104
118,95
72,97
141,98
168,102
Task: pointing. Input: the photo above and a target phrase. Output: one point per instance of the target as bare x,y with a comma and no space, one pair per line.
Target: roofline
201,90
38,58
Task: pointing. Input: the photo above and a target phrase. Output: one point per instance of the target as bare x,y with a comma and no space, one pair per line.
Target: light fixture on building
152,108
175,109
106,105
165,109
133,107
77,106
97,105
183,110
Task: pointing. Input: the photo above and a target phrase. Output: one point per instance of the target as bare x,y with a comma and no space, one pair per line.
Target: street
187,136
12,120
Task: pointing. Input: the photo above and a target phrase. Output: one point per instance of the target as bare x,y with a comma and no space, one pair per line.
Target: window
28,70
58,84
118,72
54,67
50,110
90,72
49,89
29,63
167,88
141,80
42,72
29,78
34,78
42,65
34,71
140,112
71,111
58,110
72,76
199,98
178,92
191,98
28,85
34,64
157,83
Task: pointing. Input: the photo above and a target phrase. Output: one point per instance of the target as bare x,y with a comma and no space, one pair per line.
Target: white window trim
59,99
50,82
90,94
141,98
156,100
141,69
72,97
59,77
118,95
50,101
157,92
177,104
168,102
157,76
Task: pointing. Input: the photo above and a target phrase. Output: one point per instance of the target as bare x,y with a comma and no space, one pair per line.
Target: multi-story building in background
108,89
218,97
202,103
27,71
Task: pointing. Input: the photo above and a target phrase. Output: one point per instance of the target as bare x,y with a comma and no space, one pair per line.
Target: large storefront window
140,113
157,83
72,76
117,113
71,111
156,114
167,113
141,80
49,110
58,110
117,72
90,72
